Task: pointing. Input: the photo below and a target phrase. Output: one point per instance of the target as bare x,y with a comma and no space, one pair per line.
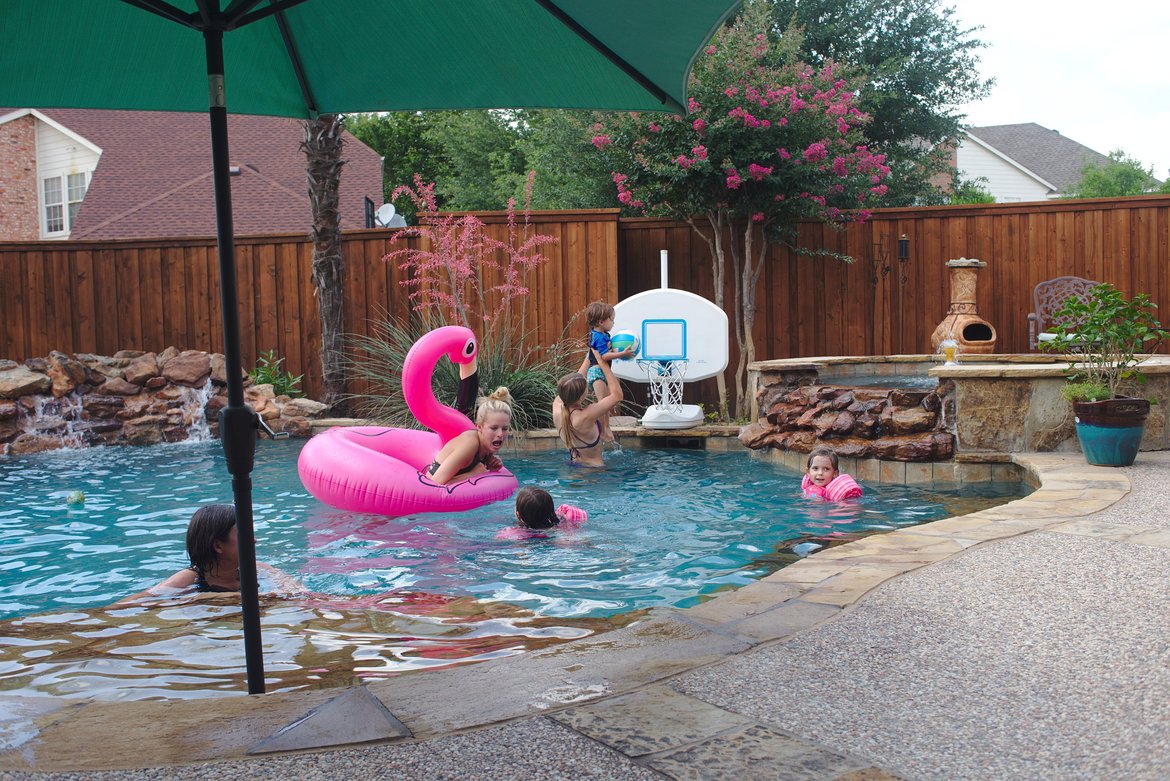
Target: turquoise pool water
388,595
664,526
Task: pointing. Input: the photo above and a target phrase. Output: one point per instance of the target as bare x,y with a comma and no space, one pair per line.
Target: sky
1095,72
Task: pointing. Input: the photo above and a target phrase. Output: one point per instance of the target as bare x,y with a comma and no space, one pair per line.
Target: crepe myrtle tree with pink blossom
767,142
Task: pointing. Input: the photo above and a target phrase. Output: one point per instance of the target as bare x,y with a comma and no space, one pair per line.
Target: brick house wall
18,180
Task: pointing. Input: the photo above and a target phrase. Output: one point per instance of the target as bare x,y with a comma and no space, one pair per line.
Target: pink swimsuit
840,487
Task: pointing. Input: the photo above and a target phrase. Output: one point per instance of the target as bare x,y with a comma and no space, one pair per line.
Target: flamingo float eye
469,348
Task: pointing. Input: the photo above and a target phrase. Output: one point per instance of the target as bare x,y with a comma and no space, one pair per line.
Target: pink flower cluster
602,141
625,195
815,152
758,172
448,276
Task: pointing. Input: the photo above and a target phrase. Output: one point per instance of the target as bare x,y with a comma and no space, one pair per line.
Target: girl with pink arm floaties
824,478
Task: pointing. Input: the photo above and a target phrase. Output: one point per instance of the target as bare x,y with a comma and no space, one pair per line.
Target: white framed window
61,197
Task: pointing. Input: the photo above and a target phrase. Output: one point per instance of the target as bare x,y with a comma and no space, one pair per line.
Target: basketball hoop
666,380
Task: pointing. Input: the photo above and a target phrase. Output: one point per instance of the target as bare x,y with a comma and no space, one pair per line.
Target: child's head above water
534,509
822,466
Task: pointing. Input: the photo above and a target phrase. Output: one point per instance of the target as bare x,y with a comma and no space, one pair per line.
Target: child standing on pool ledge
825,480
535,513
600,317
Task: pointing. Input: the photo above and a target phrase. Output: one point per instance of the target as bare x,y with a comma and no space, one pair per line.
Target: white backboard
673,324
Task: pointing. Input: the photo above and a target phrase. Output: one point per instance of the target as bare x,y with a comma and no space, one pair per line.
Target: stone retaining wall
130,398
896,424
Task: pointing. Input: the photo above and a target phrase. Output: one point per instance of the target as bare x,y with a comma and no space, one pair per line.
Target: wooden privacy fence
105,296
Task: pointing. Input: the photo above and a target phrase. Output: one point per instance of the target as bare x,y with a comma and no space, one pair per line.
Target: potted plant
1105,335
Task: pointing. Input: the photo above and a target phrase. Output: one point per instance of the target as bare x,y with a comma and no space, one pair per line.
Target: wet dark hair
823,451
598,311
534,506
207,526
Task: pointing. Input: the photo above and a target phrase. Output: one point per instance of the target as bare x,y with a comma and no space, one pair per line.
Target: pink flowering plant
460,271
767,142
461,274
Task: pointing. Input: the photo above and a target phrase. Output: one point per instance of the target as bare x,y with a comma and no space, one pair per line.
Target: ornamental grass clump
1106,337
457,273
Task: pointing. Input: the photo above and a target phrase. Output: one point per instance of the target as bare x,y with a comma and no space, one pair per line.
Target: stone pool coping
59,734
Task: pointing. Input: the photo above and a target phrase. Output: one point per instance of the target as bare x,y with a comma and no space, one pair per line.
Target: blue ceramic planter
1109,445
1110,431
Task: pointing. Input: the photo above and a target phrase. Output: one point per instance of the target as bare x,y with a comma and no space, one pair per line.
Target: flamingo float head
460,345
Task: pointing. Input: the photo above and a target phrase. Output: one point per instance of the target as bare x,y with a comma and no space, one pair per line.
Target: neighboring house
1025,162
95,174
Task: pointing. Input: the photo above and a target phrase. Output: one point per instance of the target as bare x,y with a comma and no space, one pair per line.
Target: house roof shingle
1046,153
154,176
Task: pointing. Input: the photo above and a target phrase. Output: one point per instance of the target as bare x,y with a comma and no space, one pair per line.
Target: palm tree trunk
322,145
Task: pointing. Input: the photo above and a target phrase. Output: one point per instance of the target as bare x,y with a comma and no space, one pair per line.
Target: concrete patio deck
1027,641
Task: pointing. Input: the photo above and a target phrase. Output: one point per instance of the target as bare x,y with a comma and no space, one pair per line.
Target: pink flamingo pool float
372,469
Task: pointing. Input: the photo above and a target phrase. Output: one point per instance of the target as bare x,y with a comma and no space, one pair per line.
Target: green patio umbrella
302,58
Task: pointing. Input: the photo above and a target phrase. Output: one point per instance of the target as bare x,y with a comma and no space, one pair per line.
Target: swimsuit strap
575,453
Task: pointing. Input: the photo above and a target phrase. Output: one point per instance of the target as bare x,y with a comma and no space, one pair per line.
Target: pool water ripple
387,595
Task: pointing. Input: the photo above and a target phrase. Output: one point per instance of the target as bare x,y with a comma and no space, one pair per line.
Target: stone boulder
141,369
97,405
219,371
295,427
116,386
8,410
26,444
190,368
23,381
303,408
146,430
65,373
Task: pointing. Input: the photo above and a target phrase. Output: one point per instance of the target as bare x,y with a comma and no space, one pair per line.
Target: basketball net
666,383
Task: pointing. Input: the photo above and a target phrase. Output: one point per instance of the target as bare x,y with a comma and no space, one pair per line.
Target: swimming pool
666,527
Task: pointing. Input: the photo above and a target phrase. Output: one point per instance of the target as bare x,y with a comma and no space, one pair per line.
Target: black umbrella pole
237,421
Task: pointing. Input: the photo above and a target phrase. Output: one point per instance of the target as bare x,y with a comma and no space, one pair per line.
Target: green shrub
268,372
530,373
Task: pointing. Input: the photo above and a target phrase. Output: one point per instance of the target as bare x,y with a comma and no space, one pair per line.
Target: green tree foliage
970,191
484,161
569,173
919,65
402,139
1121,176
769,141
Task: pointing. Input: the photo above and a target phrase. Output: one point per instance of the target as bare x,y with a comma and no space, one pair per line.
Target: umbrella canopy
303,58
